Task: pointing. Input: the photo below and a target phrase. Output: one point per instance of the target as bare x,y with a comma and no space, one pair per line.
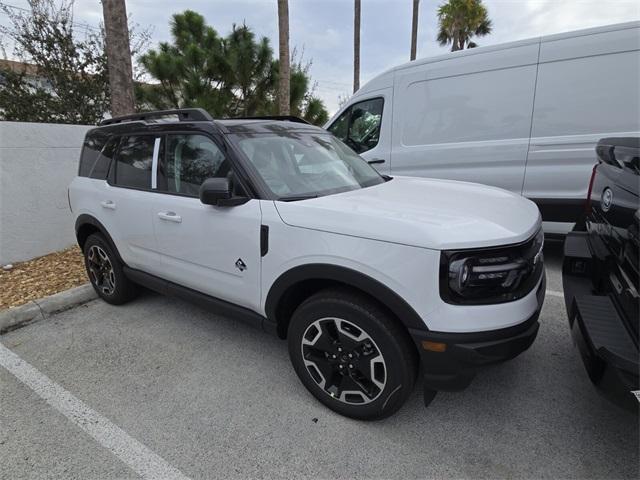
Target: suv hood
421,212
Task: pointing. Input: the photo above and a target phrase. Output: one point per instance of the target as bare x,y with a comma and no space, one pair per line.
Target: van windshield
297,165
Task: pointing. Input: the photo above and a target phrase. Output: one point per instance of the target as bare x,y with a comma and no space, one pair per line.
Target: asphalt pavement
159,386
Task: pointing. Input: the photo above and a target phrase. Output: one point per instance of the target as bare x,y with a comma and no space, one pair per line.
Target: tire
380,374
105,272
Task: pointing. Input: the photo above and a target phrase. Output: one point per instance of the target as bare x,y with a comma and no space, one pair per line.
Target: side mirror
213,190
219,192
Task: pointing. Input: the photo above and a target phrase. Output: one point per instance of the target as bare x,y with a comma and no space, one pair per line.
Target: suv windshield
298,165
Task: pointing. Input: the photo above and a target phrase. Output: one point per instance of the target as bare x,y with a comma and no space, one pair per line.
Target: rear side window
94,142
134,161
101,168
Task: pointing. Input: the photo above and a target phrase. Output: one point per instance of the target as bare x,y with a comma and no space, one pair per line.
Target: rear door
365,126
126,201
213,250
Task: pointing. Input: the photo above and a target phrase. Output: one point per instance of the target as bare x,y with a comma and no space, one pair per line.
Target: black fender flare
86,219
347,276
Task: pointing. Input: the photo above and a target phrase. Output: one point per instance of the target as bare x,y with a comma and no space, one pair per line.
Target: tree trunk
356,46
284,94
414,29
118,57
457,43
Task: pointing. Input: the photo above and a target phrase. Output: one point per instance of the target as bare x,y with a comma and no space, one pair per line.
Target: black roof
193,116
181,114
247,125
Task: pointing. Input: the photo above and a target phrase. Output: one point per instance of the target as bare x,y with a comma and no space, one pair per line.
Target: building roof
19,67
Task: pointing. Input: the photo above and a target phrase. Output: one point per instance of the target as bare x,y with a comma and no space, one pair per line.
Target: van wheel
105,272
351,355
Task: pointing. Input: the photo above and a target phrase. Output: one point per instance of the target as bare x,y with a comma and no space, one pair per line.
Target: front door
214,250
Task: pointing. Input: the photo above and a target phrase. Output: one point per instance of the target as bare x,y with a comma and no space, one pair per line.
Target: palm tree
118,57
284,66
356,45
459,20
414,28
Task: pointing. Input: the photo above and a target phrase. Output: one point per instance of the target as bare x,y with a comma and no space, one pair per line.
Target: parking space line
137,456
553,293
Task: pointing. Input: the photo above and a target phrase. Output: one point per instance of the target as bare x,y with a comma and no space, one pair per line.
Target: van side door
467,116
365,126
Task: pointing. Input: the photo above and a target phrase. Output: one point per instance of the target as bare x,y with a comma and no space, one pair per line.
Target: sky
324,28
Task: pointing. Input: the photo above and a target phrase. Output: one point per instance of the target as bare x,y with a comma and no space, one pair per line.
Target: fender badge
240,265
606,200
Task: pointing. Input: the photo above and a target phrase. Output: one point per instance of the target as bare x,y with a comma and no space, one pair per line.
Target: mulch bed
41,277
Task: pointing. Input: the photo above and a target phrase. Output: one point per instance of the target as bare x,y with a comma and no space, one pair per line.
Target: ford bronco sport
278,223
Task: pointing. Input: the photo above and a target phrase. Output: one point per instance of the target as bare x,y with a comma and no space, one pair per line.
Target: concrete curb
44,307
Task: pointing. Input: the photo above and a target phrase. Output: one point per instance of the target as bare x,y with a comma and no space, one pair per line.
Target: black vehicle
600,271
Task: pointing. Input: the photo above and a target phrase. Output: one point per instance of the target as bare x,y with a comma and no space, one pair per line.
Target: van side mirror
219,192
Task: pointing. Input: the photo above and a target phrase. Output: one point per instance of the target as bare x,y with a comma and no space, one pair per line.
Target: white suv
276,222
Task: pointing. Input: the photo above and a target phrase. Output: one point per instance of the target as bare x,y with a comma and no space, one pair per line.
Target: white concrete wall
37,163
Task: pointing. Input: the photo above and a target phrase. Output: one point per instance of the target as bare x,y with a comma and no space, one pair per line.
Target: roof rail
285,118
183,114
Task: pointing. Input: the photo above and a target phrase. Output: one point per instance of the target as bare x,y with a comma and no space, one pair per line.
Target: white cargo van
524,116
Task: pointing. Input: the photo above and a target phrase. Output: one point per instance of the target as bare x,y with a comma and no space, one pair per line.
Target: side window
340,127
94,142
101,167
359,125
134,161
190,160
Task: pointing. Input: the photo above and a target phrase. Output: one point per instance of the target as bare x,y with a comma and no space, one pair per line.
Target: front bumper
451,360
608,350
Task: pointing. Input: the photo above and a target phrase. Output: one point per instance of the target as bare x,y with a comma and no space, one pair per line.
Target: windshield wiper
295,198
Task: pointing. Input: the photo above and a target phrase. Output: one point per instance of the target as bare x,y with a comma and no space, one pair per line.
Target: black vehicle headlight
491,275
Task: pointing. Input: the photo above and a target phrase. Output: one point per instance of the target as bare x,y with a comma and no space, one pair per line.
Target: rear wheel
105,271
351,354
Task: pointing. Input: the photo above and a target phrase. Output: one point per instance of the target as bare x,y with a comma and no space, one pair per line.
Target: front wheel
351,354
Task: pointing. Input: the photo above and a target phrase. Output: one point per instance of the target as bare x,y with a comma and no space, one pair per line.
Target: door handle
376,161
170,217
108,204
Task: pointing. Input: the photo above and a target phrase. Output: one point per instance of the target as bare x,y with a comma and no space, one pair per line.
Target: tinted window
191,159
134,160
101,167
94,142
359,125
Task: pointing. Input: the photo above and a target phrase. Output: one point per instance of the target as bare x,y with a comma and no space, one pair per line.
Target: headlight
491,275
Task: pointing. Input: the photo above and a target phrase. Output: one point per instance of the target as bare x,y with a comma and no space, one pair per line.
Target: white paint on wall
37,163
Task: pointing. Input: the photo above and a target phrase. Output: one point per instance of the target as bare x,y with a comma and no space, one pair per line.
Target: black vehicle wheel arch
299,283
87,225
